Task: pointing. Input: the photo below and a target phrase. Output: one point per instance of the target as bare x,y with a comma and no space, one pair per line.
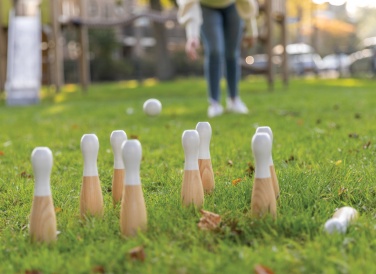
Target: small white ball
152,107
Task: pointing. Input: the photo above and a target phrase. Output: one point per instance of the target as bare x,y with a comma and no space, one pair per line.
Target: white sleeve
189,15
248,11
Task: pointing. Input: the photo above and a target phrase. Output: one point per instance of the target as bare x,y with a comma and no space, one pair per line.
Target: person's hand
191,48
249,41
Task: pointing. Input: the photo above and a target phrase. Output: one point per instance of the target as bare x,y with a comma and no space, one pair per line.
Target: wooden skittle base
263,198
206,173
274,181
43,220
192,191
91,200
117,185
133,217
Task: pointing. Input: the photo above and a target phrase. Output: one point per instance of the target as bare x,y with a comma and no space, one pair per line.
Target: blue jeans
221,31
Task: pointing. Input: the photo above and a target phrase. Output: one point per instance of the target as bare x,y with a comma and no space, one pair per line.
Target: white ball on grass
152,107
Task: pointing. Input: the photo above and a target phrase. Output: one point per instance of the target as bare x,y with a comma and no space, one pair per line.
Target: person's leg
212,34
232,25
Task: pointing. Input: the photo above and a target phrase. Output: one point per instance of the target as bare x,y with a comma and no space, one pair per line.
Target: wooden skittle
274,181
91,199
42,218
341,220
263,201
204,161
133,216
117,138
207,175
117,185
273,174
192,191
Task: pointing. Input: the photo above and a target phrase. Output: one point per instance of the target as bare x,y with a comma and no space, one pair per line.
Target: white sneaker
215,109
236,105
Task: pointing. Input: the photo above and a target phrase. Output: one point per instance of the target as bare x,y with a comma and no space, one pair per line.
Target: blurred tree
164,66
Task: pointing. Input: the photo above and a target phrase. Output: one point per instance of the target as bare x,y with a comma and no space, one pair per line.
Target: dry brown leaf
137,253
367,145
230,163
260,269
23,174
74,126
98,269
236,181
250,169
209,220
58,209
341,191
133,136
1,153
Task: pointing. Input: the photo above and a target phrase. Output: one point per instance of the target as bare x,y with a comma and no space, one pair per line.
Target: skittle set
198,180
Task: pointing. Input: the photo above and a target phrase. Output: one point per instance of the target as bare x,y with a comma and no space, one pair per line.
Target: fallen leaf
353,135
290,159
260,269
58,209
74,126
338,162
250,169
132,136
33,272
209,220
23,174
365,146
300,122
341,191
1,153
98,269
236,181
137,253
230,163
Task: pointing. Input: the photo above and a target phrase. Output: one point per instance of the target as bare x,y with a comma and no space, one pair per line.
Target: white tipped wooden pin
341,220
192,191
263,198
117,138
268,130
91,200
133,217
204,161
42,217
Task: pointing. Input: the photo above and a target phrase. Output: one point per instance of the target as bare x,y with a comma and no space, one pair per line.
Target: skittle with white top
204,161
341,220
117,138
192,191
268,130
42,217
133,217
263,198
91,200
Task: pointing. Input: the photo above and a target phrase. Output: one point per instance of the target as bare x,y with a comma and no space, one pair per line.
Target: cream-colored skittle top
190,16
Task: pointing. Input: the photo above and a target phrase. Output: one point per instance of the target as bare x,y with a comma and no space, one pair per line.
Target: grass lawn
324,153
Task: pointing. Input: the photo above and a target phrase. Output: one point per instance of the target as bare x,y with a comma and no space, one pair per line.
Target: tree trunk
164,67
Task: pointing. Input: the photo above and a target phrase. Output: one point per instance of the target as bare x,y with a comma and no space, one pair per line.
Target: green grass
324,155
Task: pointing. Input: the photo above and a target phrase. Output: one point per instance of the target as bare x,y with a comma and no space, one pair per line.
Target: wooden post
269,43
285,64
57,65
2,51
84,42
